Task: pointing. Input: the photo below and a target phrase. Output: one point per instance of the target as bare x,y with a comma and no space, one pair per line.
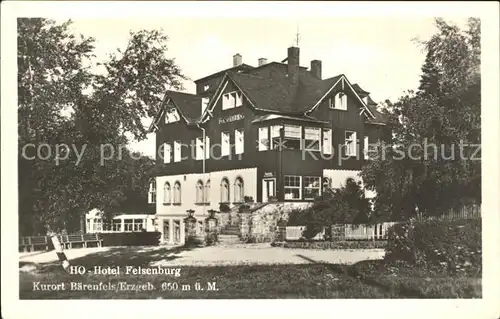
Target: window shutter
207,147
263,139
327,141
167,153
355,144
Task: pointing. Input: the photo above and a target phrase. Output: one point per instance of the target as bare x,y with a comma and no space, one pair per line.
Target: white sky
376,52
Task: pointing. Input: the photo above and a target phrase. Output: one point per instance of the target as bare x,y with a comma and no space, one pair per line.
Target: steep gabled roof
189,105
242,67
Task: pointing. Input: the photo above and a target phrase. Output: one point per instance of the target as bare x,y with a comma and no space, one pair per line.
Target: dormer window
206,87
338,102
365,99
171,115
231,99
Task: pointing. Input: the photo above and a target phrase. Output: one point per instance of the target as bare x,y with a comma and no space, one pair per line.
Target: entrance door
268,188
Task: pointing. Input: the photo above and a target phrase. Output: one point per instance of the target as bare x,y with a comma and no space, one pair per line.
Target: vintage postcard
333,157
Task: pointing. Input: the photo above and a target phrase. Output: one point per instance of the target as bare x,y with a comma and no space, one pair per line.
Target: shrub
212,238
335,244
131,239
453,246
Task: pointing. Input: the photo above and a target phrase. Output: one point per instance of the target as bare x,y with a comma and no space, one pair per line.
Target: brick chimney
262,61
316,69
293,64
237,59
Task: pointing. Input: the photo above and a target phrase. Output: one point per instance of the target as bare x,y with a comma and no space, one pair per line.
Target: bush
131,239
212,238
336,244
453,246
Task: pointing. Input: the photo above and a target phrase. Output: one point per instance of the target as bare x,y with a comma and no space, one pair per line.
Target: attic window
171,115
339,102
206,87
365,99
231,99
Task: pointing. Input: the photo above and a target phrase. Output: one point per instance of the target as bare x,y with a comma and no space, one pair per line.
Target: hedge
334,244
131,239
451,246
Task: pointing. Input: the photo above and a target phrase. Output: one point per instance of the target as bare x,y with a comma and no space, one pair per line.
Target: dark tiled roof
268,88
242,67
188,104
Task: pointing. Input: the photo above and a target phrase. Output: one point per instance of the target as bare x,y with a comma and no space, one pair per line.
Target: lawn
367,279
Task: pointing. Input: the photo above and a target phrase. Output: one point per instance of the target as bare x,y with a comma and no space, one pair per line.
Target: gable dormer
171,114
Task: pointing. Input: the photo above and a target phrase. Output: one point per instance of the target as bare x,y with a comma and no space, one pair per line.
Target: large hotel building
274,132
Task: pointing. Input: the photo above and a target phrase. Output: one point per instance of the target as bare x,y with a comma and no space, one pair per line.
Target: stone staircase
230,234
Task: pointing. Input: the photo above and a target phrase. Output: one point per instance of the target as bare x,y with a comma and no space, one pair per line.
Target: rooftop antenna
297,36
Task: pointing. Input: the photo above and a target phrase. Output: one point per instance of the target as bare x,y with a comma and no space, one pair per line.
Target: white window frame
167,153
239,141
263,138
275,136
171,115
287,136
239,190
177,193
318,187
327,141
206,192
350,143
306,139
225,199
200,190
339,101
177,151
285,187
152,192
225,145
366,144
167,193
231,100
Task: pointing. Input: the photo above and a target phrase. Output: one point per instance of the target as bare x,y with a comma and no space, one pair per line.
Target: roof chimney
237,59
262,61
293,64
316,68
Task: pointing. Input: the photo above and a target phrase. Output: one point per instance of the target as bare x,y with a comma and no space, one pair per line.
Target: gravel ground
229,255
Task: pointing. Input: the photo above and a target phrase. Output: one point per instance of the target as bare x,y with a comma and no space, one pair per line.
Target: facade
277,131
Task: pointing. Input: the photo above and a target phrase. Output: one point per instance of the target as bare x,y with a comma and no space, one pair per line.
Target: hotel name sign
231,118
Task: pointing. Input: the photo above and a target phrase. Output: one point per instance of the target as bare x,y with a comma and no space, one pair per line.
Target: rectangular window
293,136
293,187
199,148
128,224
312,187
327,141
177,151
167,153
275,136
263,138
225,147
239,141
138,224
339,101
231,99
312,138
350,143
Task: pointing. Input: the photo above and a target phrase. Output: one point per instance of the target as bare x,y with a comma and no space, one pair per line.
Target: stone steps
229,239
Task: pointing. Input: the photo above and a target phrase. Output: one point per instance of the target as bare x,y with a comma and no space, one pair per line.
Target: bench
68,240
32,242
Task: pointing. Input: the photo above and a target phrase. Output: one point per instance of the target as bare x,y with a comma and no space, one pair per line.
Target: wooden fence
465,212
344,232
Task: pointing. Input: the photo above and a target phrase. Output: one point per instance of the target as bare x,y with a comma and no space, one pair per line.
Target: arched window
207,192
166,193
199,192
177,193
152,192
224,191
239,191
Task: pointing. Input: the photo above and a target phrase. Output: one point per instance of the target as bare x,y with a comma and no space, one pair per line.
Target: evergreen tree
429,80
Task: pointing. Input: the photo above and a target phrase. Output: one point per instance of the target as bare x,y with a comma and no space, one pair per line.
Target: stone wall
262,225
